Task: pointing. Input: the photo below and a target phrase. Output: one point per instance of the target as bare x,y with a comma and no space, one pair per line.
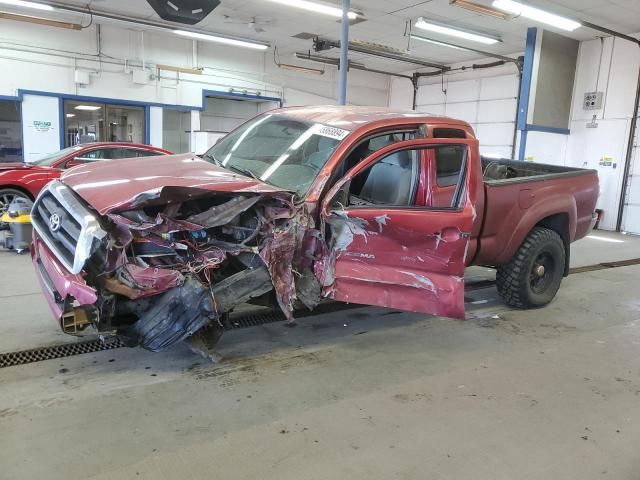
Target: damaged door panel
387,250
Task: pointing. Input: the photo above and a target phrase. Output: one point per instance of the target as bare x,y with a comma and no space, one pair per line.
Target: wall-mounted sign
40,126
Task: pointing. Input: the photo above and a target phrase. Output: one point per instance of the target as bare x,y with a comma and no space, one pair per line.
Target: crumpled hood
123,184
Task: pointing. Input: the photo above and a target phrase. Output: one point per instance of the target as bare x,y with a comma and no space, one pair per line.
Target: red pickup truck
361,205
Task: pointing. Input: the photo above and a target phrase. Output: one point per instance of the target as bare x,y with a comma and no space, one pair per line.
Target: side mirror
74,162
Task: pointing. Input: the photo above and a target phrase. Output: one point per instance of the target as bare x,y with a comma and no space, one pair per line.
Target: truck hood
124,184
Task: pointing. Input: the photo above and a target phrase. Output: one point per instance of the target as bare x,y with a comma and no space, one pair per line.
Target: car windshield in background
279,150
54,157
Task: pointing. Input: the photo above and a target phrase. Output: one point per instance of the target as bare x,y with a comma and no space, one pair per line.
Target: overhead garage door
488,104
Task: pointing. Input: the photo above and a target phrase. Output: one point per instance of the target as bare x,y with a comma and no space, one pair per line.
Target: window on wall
10,131
101,122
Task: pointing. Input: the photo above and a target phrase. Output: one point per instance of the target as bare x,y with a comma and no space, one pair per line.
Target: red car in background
27,179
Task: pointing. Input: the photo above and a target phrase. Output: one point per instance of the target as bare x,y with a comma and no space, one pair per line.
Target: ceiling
385,24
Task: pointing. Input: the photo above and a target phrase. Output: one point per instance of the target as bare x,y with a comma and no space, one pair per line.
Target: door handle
451,234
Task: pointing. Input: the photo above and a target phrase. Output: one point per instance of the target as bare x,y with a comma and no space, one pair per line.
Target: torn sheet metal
395,259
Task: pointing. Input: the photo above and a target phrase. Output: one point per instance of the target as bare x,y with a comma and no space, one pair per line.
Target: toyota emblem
54,222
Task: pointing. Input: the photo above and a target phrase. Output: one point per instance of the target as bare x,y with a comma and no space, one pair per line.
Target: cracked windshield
278,150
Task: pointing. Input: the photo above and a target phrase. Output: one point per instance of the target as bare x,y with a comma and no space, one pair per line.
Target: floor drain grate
246,320
13,359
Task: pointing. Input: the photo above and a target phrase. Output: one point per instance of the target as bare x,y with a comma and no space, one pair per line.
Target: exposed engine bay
171,271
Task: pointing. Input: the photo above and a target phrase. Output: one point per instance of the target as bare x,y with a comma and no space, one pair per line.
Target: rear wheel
532,278
8,195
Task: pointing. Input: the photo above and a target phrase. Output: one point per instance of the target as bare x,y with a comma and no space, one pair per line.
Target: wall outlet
593,100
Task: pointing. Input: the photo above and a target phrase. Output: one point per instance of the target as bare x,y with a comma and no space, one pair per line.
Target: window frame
426,162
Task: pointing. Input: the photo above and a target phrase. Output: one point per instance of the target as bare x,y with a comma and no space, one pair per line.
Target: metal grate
246,320
605,266
58,351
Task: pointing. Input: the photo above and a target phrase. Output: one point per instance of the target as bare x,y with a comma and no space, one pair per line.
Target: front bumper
69,297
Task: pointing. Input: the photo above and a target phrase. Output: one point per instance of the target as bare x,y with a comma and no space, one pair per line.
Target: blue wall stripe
134,103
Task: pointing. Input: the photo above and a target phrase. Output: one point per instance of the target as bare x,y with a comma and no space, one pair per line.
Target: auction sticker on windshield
331,132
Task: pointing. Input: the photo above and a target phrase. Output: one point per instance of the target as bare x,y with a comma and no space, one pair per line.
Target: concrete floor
365,393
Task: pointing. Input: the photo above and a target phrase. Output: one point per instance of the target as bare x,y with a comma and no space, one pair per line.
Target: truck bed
520,195
498,171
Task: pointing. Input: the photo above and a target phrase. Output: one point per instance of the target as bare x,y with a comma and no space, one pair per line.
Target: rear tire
532,278
8,195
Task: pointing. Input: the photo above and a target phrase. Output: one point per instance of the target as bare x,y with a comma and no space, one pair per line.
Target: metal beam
344,53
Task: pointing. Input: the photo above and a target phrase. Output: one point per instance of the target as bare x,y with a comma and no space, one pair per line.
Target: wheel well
20,189
559,223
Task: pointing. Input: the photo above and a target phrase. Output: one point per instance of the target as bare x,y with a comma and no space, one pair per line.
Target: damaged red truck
361,205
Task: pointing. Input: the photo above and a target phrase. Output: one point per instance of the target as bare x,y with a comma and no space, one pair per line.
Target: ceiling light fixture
435,42
227,41
22,3
40,21
425,24
481,9
88,108
518,9
70,115
316,7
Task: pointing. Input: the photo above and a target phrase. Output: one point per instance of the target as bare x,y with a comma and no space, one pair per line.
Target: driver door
388,245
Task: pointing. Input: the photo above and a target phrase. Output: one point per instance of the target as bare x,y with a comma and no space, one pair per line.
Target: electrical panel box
82,77
593,100
141,77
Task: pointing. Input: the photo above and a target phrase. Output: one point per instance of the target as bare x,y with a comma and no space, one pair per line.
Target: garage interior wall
608,65
44,59
487,99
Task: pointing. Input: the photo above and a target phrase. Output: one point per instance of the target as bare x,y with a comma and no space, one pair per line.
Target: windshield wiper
213,159
243,171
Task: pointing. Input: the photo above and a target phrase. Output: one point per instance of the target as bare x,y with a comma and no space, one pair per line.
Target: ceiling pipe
320,44
352,65
517,61
136,21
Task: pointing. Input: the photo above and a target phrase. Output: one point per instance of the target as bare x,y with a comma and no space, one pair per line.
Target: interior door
390,248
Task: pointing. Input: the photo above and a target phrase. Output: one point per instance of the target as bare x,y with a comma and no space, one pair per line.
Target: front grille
66,225
64,239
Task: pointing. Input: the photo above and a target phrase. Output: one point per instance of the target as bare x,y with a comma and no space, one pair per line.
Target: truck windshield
279,150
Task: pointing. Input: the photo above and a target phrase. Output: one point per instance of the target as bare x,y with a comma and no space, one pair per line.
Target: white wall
44,58
611,66
484,99
487,99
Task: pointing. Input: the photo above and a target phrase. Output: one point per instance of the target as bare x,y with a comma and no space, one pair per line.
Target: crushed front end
172,263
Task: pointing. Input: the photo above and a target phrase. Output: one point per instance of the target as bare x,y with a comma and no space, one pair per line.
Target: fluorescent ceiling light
217,39
22,3
481,9
435,42
454,32
518,9
316,7
69,115
89,108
